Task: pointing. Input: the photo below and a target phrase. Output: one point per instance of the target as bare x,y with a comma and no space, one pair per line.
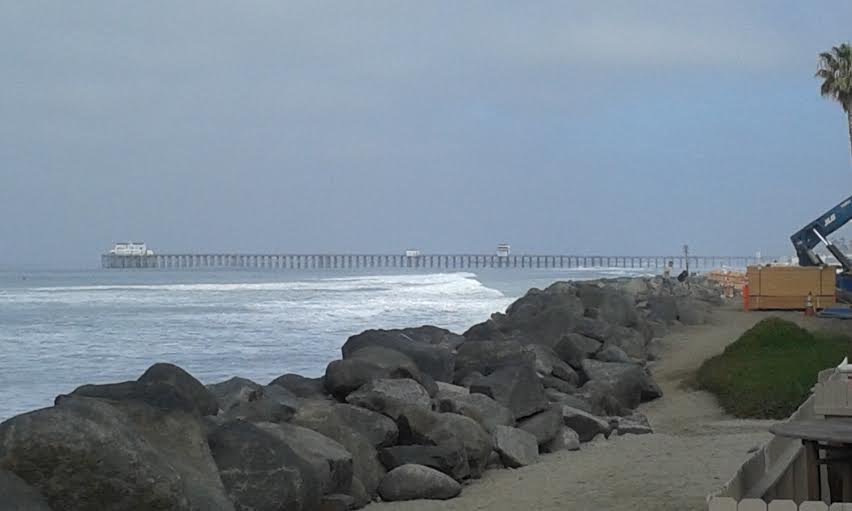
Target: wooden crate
786,287
789,302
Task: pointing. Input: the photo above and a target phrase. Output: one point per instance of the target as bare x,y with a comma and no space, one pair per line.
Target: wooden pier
398,261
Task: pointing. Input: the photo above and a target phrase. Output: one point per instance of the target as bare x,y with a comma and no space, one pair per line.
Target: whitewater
59,330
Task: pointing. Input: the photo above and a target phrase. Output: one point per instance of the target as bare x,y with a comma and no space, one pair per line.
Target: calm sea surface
62,329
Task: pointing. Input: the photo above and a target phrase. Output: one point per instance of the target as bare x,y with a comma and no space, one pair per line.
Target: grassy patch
769,371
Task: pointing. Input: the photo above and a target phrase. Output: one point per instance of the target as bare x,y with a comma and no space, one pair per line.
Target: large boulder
433,335
592,328
343,377
479,407
691,311
573,348
630,340
612,353
565,440
337,502
92,454
611,305
449,459
543,426
164,386
234,391
517,448
17,495
412,482
331,462
418,426
662,308
630,383
377,428
548,363
271,403
515,387
436,360
387,396
396,364
261,472
552,382
321,417
586,425
485,357
302,387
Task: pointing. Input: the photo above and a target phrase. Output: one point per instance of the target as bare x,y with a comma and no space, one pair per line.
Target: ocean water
59,330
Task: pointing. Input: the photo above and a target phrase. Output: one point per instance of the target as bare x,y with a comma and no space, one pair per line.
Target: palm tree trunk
848,109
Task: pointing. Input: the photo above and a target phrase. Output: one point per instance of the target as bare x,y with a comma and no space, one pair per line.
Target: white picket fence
729,504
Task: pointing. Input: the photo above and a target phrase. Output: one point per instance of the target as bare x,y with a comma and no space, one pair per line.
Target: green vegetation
835,70
769,371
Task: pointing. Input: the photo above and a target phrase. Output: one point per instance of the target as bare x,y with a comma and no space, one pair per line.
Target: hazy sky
567,127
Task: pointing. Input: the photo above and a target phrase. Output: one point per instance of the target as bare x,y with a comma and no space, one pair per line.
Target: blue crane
818,231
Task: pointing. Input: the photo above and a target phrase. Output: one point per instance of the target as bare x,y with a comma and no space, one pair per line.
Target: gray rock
164,386
485,357
515,387
629,340
602,398
359,494
386,396
663,309
302,387
613,305
412,482
17,495
184,383
551,382
692,312
517,448
261,472
574,348
586,425
636,424
234,391
543,426
336,502
265,404
629,383
479,407
593,328
343,377
375,427
93,454
447,458
425,427
548,363
396,364
433,335
331,462
436,360
448,390
321,417
566,440
611,353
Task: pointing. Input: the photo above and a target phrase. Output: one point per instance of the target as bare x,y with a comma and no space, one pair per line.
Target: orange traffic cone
809,305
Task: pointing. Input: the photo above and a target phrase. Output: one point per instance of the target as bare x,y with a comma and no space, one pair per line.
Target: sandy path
695,449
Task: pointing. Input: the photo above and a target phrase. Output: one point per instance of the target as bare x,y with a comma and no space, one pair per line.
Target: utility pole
686,258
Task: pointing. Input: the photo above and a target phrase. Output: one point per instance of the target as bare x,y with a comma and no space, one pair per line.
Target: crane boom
818,231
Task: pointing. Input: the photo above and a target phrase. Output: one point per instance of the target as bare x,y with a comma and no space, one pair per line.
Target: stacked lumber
787,287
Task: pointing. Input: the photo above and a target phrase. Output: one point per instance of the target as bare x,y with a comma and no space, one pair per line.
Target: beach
695,447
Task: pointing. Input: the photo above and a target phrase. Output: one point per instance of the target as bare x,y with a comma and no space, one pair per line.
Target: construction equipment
816,232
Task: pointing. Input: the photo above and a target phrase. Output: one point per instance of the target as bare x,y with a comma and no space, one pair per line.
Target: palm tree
835,70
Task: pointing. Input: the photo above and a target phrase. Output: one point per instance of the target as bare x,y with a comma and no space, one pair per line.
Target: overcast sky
564,127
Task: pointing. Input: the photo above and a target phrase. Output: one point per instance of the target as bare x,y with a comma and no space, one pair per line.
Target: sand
694,450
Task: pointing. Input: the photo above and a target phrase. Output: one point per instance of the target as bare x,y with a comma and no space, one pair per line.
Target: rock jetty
404,414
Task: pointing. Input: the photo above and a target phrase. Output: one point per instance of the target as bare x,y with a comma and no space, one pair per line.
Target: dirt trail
694,450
